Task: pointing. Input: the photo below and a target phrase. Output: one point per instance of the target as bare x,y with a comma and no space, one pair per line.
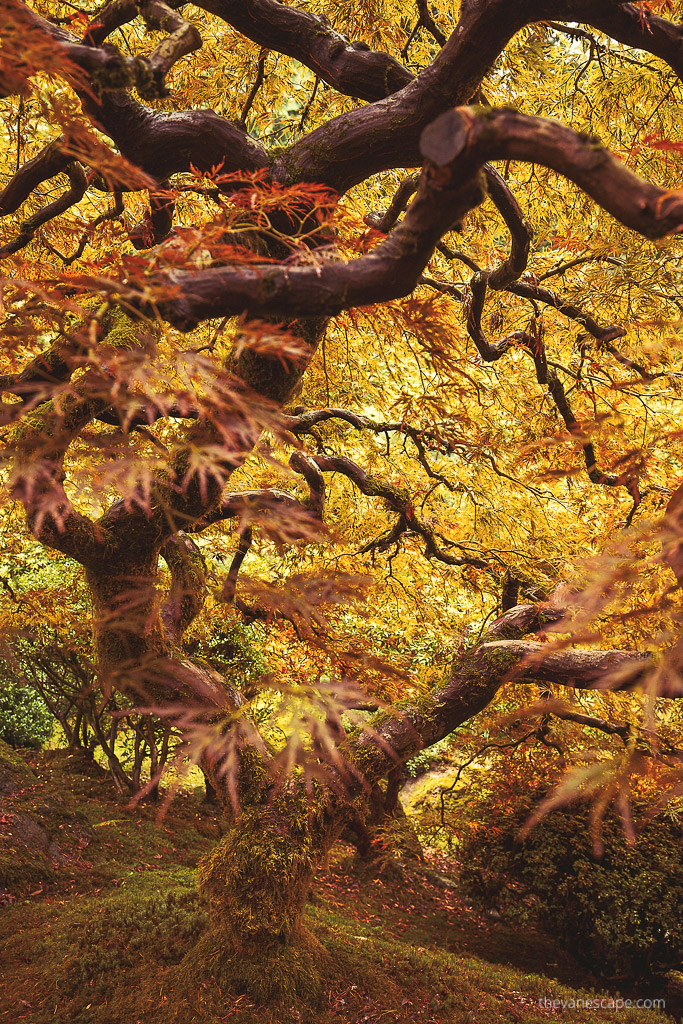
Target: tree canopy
357,325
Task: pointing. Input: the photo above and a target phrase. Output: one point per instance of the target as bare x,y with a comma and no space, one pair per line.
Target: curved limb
289,520
338,153
106,67
188,585
77,188
50,161
35,381
456,146
183,38
159,144
473,681
399,502
350,68
38,446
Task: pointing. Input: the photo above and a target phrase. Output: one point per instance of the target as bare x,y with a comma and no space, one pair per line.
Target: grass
105,938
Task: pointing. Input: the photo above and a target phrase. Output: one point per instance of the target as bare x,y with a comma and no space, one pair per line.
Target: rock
15,774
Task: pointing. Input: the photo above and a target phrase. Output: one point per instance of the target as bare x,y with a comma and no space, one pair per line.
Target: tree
265,284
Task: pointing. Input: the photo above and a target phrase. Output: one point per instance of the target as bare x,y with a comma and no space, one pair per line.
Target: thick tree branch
49,162
351,68
149,73
164,144
389,271
104,64
353,146
37,448
520,620
34,382
470,136
456,147
474,681
160,144
183,38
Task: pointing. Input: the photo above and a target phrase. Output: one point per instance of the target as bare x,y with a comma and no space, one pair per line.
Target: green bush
25,720
619,914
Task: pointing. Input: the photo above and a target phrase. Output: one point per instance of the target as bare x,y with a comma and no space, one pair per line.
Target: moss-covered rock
15,774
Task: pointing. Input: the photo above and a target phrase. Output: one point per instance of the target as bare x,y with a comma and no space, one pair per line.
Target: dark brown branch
34,382
456,147
595,474
533,343
475,679
389,271
246,505
308,468
470,137
349,67
353,146
577,669
145,415
164,144
230,585
520,620
520,231
38,446
253,92
149,72
75,192
423,439
384,222
400,503
427,21
603,335
188,585
50,161
183,38
105,65
157,222
292,520
160,144
673,545
624,731
111,16
304,422
535,293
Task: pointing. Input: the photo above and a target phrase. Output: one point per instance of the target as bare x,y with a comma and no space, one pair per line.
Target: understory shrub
619,914
24,717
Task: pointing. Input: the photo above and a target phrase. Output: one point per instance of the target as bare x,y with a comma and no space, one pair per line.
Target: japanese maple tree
326,293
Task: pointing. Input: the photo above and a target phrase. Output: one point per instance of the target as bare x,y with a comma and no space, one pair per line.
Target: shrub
618,914
24,718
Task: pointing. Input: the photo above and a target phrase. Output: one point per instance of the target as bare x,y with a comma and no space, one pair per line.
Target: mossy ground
108,940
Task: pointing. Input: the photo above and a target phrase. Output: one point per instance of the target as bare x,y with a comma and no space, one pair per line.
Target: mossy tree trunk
380,829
